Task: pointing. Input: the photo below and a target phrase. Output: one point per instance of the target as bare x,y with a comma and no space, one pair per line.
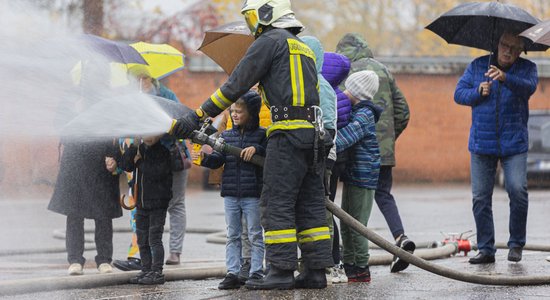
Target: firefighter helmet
264,12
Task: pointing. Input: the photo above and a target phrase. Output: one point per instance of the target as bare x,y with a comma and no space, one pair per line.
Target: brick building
432,149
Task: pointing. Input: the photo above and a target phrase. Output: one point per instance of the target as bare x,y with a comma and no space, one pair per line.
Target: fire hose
219,145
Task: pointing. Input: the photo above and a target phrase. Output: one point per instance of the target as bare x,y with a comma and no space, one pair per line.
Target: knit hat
363,85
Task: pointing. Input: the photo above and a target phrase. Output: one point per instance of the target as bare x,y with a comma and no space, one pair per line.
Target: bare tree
93,16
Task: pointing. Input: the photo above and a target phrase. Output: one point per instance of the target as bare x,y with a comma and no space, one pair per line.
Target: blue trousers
483,171
386,203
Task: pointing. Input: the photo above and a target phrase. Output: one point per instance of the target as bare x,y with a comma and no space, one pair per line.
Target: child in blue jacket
241,186
361,175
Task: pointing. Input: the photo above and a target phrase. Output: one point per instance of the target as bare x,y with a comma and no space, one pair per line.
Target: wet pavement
426,210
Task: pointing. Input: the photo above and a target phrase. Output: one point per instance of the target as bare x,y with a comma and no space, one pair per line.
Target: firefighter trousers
293,207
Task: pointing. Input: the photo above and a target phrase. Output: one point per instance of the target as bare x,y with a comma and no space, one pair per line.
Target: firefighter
292,199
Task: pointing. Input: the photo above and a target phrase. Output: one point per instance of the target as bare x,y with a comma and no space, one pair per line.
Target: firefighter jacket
285,69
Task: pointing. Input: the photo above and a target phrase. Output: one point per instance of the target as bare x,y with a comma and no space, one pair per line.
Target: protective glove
183,128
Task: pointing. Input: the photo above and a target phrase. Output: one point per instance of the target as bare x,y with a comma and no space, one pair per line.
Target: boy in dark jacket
241,187
361,175
153,164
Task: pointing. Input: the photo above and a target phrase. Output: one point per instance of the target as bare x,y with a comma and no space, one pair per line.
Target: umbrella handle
123,204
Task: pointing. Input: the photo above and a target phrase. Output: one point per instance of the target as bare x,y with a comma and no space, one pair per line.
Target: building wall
432,149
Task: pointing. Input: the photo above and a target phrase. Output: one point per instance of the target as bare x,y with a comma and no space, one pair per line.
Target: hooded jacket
241,179
335,69
395,117
359,136
499,121
154,174
327,95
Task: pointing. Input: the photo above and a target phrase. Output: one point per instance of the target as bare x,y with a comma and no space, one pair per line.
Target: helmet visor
251,18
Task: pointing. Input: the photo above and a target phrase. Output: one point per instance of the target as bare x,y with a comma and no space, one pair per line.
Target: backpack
180,157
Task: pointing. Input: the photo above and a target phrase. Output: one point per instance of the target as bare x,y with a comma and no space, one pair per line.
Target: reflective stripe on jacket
285,68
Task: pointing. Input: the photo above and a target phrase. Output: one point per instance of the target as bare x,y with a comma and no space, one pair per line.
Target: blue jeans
483,171
249,208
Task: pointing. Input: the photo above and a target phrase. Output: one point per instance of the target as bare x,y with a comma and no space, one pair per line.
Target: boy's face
239,114
151,140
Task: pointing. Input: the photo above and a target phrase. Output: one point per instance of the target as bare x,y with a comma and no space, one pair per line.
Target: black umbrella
480,25
112,50
539,33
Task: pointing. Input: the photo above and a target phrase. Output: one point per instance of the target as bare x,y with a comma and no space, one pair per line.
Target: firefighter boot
276,279
311,279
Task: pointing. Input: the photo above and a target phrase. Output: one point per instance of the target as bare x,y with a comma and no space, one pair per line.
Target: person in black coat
87,189
153,164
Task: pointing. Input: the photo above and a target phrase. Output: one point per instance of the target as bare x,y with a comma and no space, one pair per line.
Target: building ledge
396,65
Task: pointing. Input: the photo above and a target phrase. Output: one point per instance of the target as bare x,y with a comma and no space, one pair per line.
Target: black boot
311,279
276,279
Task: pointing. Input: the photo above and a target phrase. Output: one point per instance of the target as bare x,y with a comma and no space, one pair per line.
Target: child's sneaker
399,264
341,273
231,281
362,274
245,269
153,277
105,268
75,269
330,273
349,270
138,277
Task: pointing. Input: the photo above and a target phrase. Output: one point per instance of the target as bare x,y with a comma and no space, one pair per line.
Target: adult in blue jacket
498,92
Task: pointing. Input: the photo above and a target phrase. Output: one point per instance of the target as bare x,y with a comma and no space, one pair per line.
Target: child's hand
110,164
247,153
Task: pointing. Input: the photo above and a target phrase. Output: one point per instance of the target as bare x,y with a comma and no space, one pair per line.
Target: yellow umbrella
118,73
162,59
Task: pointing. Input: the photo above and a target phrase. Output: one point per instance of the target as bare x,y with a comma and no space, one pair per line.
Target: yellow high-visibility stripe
288,125
280,232
301,90
314,234
293,80
220,100
280,241
315,238
222,96
313,230
297,80
280,236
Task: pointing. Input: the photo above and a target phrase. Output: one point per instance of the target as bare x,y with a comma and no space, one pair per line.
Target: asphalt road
427,212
